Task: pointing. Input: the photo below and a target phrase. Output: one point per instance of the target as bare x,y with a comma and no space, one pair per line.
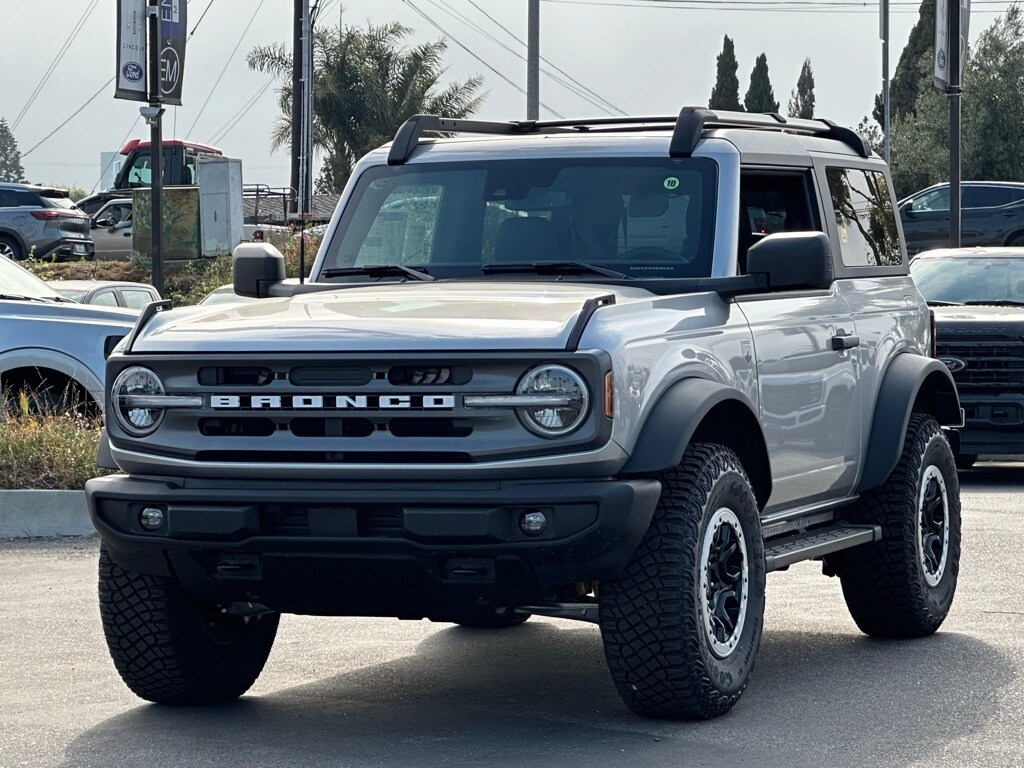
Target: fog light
151,518
533,523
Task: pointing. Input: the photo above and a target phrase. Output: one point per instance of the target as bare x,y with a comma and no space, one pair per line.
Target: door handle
844,341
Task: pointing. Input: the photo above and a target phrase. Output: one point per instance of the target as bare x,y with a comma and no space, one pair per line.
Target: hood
982,320
69,312
493,315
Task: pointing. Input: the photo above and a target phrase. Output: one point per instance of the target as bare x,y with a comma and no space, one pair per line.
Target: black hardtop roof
687,128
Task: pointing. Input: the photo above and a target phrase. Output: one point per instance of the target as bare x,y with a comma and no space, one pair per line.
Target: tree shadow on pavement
539,695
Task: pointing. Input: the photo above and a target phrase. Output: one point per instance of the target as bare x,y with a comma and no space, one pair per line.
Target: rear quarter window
865,218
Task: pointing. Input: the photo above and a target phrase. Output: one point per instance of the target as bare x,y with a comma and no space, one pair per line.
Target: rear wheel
682,622
11,248
902,586
171,648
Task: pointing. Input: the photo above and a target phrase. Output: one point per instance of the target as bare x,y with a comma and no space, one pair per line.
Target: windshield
640,217
971,279
15,281
75,294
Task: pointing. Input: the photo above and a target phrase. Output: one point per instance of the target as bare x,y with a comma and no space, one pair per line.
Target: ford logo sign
953,363
132,72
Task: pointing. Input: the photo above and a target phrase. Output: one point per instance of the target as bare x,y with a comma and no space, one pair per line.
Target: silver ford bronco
614,370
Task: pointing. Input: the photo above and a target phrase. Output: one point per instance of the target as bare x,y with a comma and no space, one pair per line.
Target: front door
807,393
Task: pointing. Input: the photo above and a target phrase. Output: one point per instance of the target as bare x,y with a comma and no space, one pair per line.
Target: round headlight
134,420
570,398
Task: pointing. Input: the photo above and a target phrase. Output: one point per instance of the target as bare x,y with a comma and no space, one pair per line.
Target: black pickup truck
977,295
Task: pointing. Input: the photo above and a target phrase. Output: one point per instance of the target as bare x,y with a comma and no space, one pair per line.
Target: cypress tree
914,71
801,102
10,158
760,96
726,93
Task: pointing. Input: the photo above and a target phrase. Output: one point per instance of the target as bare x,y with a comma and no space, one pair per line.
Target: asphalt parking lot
374,692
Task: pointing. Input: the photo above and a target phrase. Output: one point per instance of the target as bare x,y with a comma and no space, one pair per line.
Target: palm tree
366,83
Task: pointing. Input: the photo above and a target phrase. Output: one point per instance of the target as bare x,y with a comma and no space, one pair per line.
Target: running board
815,543
577,611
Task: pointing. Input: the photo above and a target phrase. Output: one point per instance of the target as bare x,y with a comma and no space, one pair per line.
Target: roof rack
687,129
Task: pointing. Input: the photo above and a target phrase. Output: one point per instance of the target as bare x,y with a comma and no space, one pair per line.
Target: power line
200,21
242,112
72,117
75,31
111,161
765,7
504,77
577,91
558,69
225,69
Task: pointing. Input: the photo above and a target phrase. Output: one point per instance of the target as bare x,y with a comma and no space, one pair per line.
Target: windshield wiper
994,303
379,270
19,297
553,268
937,303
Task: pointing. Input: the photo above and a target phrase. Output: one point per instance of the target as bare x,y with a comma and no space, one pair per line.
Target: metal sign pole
883,9
154,116
954,90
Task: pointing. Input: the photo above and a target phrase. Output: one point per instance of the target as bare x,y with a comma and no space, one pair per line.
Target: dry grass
43,449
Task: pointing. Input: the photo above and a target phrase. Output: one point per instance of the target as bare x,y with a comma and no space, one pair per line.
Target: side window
936,200
8,198
982,196
770,203
105,298
865,220
403,229
139,174
136,298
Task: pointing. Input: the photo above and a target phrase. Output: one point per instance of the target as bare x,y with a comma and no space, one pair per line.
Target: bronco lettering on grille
333,402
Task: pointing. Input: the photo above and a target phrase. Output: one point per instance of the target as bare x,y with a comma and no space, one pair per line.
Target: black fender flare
677,415
911,383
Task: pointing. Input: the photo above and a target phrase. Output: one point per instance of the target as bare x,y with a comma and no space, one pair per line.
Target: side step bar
578,611
787,550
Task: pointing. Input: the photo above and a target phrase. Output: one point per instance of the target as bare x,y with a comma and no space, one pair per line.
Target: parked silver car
50,345
112,230
107,293
43,222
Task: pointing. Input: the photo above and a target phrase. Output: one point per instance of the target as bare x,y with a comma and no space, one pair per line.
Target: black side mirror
908,209
793,260
255,267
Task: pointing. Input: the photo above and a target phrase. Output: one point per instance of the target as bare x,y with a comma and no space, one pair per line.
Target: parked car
223,295
112,230
107,293
51,346
992,215
977,296
544,372
41,221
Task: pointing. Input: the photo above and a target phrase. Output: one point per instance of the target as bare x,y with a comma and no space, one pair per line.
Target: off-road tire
657,648
966,460
171,649
11,248
884,582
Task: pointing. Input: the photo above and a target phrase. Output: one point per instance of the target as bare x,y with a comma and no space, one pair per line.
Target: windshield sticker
671,182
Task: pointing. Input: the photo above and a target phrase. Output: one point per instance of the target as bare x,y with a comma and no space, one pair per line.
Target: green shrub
43,450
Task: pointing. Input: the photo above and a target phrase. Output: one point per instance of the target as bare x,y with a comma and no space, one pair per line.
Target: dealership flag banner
942,39
173,34
131,50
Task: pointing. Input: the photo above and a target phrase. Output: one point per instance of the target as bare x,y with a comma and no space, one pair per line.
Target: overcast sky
643,60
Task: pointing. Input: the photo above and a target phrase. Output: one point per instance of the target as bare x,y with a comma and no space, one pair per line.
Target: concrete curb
31,514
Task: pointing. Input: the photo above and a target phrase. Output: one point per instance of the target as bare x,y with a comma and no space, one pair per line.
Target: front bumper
993,425
408,549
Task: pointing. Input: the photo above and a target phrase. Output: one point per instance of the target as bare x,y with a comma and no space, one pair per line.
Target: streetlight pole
533,60
954,90
154,116
883,8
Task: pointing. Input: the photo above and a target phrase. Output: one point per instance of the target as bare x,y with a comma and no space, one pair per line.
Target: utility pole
954,90
297,101
154,116
533,61
883,9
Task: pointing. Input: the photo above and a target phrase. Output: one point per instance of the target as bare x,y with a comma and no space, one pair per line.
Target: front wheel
681,624
171,648
902,586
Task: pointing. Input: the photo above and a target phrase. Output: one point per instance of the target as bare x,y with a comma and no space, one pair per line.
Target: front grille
400,408
989,364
